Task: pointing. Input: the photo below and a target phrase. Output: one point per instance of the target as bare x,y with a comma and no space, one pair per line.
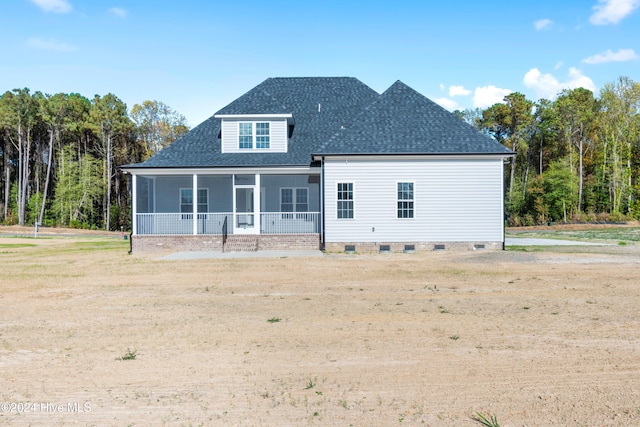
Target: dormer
255,133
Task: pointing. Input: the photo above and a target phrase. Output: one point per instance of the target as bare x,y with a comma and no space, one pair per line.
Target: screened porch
202,204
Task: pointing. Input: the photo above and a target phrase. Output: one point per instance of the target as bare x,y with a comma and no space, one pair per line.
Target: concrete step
241,243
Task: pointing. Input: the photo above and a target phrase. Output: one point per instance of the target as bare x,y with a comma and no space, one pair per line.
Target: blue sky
197,56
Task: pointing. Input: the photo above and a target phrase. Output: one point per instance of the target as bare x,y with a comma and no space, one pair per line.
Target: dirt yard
90,335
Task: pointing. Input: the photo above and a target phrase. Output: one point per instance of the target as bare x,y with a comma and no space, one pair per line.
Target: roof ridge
353,120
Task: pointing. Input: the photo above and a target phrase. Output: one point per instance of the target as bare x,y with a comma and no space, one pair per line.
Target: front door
244,211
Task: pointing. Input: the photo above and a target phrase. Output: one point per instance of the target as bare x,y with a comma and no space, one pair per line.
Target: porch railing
180,223
290,223
214,223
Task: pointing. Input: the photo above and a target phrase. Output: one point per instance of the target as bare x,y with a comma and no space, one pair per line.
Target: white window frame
260,141
348,201
200,205
410,207
294,201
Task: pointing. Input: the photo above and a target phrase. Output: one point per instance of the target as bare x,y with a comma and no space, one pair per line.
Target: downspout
504,209
322,231
132,214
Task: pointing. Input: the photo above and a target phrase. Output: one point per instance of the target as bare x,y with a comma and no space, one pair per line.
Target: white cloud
119,12
541,24
547,86
458,91
442,86
447,103
558,65
621,55
486,96
612,11
55,6
50,44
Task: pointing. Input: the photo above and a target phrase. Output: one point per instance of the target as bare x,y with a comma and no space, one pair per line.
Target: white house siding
455,200
278,136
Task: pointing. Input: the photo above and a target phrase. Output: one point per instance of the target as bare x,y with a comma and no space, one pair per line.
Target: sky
198,56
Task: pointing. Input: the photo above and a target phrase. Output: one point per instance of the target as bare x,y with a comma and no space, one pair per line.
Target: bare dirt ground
542,338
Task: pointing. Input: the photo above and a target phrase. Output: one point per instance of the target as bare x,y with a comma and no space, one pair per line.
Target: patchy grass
609,234
16,245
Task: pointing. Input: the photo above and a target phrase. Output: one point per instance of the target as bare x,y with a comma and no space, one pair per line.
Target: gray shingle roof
333,115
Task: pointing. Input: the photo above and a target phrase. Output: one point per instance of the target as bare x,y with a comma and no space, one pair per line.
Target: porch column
134,204
195,203
256,204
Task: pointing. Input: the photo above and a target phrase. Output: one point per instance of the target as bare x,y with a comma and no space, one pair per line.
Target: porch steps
237,243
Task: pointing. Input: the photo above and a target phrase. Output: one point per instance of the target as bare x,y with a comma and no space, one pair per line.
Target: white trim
256,204
288,170
194,200
252,116
255,187
413,209
134,204
411,156
353,200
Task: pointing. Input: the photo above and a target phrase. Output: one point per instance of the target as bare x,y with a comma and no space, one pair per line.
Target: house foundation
408,247
187,243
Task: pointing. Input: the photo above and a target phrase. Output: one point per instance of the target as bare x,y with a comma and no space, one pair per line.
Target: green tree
78,189
19,115
109,117
157,125
577,113
619,132
560,187
52,110
511,123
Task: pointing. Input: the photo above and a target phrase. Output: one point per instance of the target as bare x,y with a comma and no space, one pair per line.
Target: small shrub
274,320
487,421
129,355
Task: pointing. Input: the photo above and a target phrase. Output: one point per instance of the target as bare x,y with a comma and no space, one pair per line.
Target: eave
199,170
288,117
407,156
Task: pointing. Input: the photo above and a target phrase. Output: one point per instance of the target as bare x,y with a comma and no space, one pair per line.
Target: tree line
577,158
60,156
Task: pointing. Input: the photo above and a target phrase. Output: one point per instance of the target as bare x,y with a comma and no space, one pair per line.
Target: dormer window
254,134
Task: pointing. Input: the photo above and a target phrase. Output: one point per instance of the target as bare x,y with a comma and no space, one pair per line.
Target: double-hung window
186,200
254,134
345,200
405,200
262,135
294,200
245,132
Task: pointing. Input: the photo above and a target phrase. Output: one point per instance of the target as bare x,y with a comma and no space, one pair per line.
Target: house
323,163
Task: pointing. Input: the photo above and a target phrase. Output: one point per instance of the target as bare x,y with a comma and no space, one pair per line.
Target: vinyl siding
454,200
278,137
